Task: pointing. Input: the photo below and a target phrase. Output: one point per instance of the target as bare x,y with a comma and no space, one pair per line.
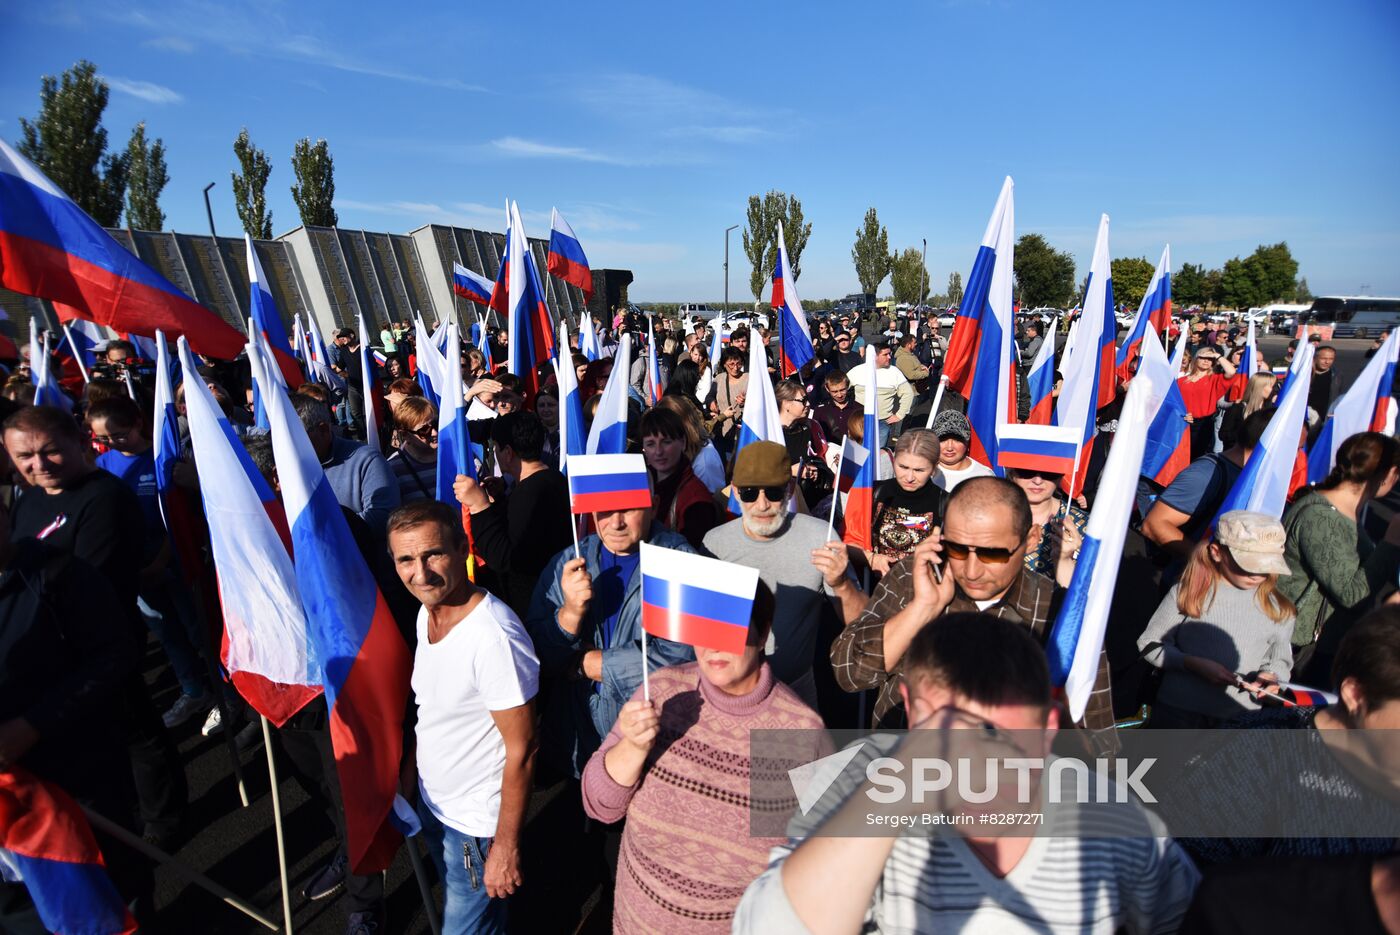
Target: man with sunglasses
974,563
979,686
793,558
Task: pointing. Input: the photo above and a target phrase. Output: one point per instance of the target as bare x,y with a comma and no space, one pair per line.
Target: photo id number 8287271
1012,818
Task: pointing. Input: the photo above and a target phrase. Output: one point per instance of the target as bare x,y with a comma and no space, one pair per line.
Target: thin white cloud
145,90
531,149
584,218
170,44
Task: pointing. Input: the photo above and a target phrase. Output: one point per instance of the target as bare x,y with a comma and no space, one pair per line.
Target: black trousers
161,788
309,754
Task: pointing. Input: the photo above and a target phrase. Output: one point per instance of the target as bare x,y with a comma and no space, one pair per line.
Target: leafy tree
250,187
1131,276
1213,280
146,179
1274,271
1189,286
314,192
955,291
761,236
871,253
68,142
1301,292
1239,286
1044,275
908,277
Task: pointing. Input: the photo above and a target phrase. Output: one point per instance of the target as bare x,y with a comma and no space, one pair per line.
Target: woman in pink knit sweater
677,769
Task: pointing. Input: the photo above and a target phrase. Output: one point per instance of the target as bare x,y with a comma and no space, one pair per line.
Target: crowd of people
529,657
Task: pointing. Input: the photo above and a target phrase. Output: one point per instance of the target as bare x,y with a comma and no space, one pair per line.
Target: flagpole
77,354
1073,478
277,827
937,398
424,887
646,682
836,493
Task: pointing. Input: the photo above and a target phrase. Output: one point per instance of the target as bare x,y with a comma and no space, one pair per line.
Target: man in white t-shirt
474,676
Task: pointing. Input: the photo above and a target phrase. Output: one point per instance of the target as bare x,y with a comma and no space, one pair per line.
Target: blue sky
1215,126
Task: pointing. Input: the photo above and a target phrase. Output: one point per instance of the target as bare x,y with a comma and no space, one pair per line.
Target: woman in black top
909,505
806,442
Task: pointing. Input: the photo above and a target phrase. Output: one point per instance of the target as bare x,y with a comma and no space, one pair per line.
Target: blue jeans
460,860
169,612
885,430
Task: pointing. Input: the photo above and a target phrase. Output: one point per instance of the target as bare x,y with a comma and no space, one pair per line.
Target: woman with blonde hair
1222,634
414,463
908,505
1259,388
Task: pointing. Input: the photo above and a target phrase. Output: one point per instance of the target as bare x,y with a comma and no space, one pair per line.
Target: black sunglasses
960,551
774,494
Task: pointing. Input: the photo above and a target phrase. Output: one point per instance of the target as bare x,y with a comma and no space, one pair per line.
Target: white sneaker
214,723
186,707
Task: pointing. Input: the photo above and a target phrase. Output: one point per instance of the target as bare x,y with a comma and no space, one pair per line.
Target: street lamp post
923,271
208,210
725,317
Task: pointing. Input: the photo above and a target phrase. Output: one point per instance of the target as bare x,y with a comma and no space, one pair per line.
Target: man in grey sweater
362,480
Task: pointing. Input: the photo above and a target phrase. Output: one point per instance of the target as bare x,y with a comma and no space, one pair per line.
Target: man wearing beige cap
793,557
1222,635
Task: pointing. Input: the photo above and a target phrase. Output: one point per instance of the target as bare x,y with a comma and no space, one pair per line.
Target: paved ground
236,846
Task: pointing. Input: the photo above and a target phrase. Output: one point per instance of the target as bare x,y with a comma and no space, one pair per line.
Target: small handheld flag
796,350
850,463
1049,448
606,482
1040,381
471,286
699,601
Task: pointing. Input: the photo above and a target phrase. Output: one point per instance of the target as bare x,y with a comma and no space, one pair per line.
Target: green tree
314,192
871,253
1213,280
954,288
908,277
1044,275
250,187
146,179
1189,286
1275,272
1130,278
761,236
1301,292
1240,287
68,142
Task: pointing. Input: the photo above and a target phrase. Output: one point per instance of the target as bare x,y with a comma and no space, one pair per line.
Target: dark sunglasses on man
988,556
774,494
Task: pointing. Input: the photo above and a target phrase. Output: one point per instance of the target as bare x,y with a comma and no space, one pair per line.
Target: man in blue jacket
586,621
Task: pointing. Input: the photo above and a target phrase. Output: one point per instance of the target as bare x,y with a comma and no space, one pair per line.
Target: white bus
1355,316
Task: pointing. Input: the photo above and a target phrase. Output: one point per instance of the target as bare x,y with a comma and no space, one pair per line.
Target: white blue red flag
51,249
859,511
853,458
1049,448
603,483
1365,407
716,345
364,661
699,601
1078,635
760,422
82,337
268,319
1250,360
654,386
1179,352
320,367
373,393
431,364
588,344
471,286
1041,380
47,392
1154,313
566,259
796,350
573,440
980,362
1306,697
1168,448
518,295
608,434
47,844
266,649
455,452
1267,478
1088,365
145,347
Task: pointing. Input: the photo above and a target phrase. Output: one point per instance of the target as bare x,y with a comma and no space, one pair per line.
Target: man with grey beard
794,559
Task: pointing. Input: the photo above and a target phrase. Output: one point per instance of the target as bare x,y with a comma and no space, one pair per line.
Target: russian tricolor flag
853,459
1078,635
654,387
566,259
364,661
1041,380
484,344
760,422
431,364
47,392
859,513
47,844
373,393
1305,697
1168,448
608,434
604,483
572,440
81,337
696,600
1049,448
1264,484
51,249
472,286
1154,313
518,295
980,362
268,320
588,344
796,349
1088,365
1365,407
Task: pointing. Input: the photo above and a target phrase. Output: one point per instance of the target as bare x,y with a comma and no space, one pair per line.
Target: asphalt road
236,846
